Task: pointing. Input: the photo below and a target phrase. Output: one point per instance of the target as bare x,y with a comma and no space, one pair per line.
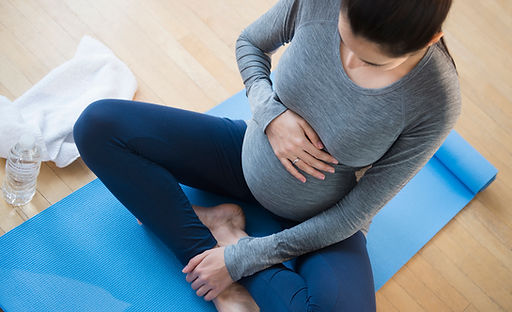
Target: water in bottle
21,171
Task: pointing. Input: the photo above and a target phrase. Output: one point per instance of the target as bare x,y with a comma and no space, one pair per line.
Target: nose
353,61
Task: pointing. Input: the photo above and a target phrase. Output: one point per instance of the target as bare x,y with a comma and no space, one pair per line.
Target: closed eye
369,63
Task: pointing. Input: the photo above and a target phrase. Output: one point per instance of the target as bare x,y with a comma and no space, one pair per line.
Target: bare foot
225,221
227,224
235,298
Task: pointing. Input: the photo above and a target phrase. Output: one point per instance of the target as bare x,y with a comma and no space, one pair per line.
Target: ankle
228,235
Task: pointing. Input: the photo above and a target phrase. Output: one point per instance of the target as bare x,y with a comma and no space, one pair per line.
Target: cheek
392,66
384,68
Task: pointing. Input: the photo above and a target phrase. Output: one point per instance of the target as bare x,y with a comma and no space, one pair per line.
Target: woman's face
359,52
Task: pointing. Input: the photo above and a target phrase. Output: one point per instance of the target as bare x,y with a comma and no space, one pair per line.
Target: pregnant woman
364,84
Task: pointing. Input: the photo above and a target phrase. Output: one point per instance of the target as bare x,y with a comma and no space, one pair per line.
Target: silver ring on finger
295,160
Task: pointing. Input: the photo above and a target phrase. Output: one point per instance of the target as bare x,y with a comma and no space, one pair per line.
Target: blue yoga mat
87,252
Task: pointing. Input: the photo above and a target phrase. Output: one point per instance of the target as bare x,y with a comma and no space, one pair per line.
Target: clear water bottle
21,171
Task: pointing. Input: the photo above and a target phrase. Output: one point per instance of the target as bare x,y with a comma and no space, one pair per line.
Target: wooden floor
182,54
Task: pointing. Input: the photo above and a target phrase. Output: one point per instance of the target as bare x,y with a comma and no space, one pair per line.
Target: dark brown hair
398,26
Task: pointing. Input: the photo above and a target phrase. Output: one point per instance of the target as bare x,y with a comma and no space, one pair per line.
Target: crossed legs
142,151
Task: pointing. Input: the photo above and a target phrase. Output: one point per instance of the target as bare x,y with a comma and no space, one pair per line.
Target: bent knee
94,121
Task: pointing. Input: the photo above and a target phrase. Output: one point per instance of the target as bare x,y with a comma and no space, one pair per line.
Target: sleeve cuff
264,103
234,263
273,110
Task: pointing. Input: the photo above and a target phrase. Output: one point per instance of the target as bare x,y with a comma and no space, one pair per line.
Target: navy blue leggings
141,151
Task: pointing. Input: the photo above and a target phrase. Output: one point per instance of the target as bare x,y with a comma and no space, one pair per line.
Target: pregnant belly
279,191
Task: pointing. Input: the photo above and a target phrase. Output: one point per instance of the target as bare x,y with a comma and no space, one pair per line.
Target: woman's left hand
207,271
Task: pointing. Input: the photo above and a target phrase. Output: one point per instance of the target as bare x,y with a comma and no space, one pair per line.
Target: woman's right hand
290,137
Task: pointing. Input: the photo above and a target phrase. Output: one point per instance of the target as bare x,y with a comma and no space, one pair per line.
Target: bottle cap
26,141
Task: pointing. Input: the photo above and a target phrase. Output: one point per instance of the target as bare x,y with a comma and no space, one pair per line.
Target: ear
436,38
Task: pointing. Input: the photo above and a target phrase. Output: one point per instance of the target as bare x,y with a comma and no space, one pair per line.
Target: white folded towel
51,107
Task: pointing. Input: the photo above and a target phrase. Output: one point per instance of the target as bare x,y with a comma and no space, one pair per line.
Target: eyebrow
364,60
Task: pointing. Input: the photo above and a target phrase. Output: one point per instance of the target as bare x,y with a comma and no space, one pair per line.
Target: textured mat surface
87,252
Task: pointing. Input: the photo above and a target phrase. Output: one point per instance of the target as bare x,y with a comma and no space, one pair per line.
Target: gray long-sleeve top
395,129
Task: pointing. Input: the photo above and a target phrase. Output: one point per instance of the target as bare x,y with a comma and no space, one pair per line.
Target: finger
138,221
288,165
318,153
307,159
307,168
194,262
321,154
192,276
212,294
312,135
202,290
195,273
197,283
